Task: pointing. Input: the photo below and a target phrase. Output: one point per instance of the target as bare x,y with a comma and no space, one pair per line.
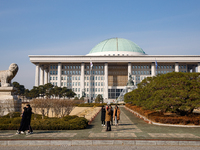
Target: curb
96,142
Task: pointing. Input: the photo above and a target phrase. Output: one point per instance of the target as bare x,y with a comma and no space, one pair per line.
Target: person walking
29,113
24,124
116,115
108,118
103,113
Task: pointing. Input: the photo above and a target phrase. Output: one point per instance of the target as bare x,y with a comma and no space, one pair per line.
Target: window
101,83
133,66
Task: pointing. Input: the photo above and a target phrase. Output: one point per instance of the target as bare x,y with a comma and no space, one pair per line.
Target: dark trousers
108,126
103,122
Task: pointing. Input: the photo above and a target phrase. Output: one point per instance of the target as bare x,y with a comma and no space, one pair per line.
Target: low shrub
166,119
65,123
92,105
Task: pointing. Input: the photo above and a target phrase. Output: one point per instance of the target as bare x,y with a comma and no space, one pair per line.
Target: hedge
166,119
92,105
65,123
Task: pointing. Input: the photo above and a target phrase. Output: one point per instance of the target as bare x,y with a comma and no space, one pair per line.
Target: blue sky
74,27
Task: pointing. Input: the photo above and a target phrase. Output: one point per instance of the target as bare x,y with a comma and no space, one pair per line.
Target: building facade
106,69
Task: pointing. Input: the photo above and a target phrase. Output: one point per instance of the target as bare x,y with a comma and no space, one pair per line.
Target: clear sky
74,27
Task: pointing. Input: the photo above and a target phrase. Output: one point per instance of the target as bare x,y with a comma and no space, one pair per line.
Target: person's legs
106,125
115,120
109,126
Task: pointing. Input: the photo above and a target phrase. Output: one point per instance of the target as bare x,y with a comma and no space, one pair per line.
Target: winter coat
24,122
103,114
108,115
118,113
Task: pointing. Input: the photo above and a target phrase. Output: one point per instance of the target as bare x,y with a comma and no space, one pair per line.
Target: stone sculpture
7,75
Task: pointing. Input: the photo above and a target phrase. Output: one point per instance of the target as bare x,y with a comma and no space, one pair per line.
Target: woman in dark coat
24,123
103,114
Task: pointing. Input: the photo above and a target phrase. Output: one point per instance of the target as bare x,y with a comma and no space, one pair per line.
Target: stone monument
9,103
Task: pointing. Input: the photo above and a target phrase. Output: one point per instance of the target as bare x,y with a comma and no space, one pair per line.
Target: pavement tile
61,142
103,142
81,142
145,142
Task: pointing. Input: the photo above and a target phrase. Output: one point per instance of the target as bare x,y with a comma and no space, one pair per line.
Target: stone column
129,69
153,71
106,81
59,74
176,67
42,75
46,75
82,78
37,71
198,67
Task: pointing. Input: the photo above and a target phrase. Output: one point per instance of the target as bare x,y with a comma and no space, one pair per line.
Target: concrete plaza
131,131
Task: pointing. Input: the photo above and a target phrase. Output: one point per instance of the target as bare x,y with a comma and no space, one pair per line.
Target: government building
107,67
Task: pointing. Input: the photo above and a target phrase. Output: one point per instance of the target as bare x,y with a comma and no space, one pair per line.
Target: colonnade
42,74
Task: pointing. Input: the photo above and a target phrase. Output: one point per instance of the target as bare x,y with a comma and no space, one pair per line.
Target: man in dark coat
29,113
103,113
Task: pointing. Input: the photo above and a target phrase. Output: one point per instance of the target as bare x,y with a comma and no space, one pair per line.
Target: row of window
77,78
94,67
141,66
70,78
138,78
94,84
94,72
141,72
71,67
94,89
134,67
70,72
94,78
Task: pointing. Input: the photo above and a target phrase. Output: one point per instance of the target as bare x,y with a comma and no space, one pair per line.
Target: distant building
112,61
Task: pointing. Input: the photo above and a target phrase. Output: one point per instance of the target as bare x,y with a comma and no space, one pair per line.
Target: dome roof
116,46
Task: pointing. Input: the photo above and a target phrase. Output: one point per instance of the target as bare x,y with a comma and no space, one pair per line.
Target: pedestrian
29,113
24,124
103,114
111,109
116,115
108,118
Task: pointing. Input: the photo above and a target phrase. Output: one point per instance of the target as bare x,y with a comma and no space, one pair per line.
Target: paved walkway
130,127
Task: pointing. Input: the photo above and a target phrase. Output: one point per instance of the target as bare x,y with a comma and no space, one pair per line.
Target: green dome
117,46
